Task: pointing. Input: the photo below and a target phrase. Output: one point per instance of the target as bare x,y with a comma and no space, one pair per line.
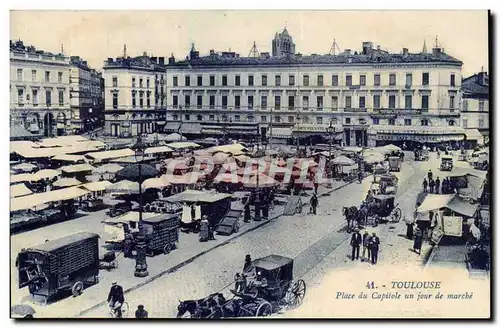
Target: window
224,102
250,80
47,79
211,117
362,80
277,119
335,103
305,80
199,80
35,97
305,102
409,80
425,78
348,101
115,100
140,82
250,102
347,120
334,120
237,80
319,103
376,121
147,83
237,118
224,80
362,102
376,79
424,122
465,104
452,102
133,99
48,98
148,100
277,102
19,74
464,123
187,101
175,81
291,119
212,101
187,117
175,117
199,101
237,102
348,80
392,101
392,79
133,82
320,80
175,101
291,102
199,117
20,97
335,80
481,105
392,121
277,80
319,120
212,80
263,102
451,123
263,118
452,80
408,104
376,101
264,79
425,102
61,97
481,122
187,80
33,75
291,79
407,121
141,99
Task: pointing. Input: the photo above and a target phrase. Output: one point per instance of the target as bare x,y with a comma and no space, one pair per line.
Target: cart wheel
114,264
397,215
77,288
167,249
125,310
295,294
265,309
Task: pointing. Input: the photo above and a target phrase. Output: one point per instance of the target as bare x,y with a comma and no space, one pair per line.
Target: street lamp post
141,265
330,129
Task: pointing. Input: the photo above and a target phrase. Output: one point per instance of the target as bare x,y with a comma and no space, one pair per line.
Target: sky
97,35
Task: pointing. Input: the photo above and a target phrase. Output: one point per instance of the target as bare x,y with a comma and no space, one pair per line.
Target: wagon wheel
396,216
114,264
125,310
77,288
167,249
265,309
295,294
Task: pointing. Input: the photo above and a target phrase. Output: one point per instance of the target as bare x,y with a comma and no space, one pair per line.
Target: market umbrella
19,190
44,174
66,182
263,181
25,167
156,183
22,310
228,178
174,137
342,160
391,148
242,158
124,186
220,158
107,168
131,172
374,158
188,178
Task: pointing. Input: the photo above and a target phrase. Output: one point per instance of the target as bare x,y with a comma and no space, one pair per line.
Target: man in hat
116,298
366,246
375,245
356,241
314,203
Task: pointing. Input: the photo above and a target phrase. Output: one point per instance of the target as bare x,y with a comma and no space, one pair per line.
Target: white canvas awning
66,182
68,158
77,168
183,145
96,185
24,177
156,150
19,190
110,154
433,202
44,174
34,200
473,134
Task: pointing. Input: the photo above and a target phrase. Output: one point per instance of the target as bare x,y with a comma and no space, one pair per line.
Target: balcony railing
351,110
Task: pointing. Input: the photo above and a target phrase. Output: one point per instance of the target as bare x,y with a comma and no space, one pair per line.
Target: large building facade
475,106
135,95
371,96
39,90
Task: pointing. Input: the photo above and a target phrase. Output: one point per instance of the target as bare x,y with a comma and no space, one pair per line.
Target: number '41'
370,285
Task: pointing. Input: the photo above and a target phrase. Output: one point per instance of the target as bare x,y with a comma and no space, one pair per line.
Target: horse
350,214
201,308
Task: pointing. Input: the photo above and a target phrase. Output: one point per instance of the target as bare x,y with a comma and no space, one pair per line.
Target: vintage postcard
249,164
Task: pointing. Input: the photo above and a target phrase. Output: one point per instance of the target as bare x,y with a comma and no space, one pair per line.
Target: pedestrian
128,244
417,243
375,247
356,241
204,233
116,298
141,313
424,184
429,175
431,185
247,216
366,246
240,283
247,266
409,231
444,186
193,211
438,184
314,203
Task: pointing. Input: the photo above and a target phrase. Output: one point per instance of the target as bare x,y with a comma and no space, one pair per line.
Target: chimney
378,47
405,52
347,52
110,60
154,60
145,54
161,61
436,50
171,60
367,47
481,78
212,52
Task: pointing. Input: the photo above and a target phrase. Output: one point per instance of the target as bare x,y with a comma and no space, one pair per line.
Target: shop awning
195,196
19,132
462,207
433,202
473,134
19,190
96,185
156,150
183,145
30,201
110,154
77,168
66,182
281,132
68,158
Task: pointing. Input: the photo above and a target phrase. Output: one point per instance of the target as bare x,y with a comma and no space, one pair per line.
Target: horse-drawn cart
383,209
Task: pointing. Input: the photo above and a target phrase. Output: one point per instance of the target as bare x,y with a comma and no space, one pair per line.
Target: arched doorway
61,124
33,122
48,125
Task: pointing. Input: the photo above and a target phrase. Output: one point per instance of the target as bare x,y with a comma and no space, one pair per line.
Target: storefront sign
436,236
452,226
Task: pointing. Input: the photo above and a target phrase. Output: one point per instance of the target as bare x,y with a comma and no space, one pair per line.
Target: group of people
249,282
447,186
116,299
371,246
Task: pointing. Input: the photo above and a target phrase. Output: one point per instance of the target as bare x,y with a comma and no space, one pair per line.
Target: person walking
141,313
204,229
429,175
116,298
356,241
444,186
247,266
375,247
366,246
432,184
409,231
424,184
417,243
314,203
247,216
438,184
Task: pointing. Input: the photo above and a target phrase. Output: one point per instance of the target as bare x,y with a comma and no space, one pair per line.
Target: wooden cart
162,233
70,263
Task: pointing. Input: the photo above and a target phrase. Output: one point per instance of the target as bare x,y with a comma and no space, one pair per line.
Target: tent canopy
342,160
110,154
183,145
460,206
44,174
30,201
156,150
433,202
68,158
24,177
107,168
96,185
19,190
66,182
195,196
77,168
174,137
